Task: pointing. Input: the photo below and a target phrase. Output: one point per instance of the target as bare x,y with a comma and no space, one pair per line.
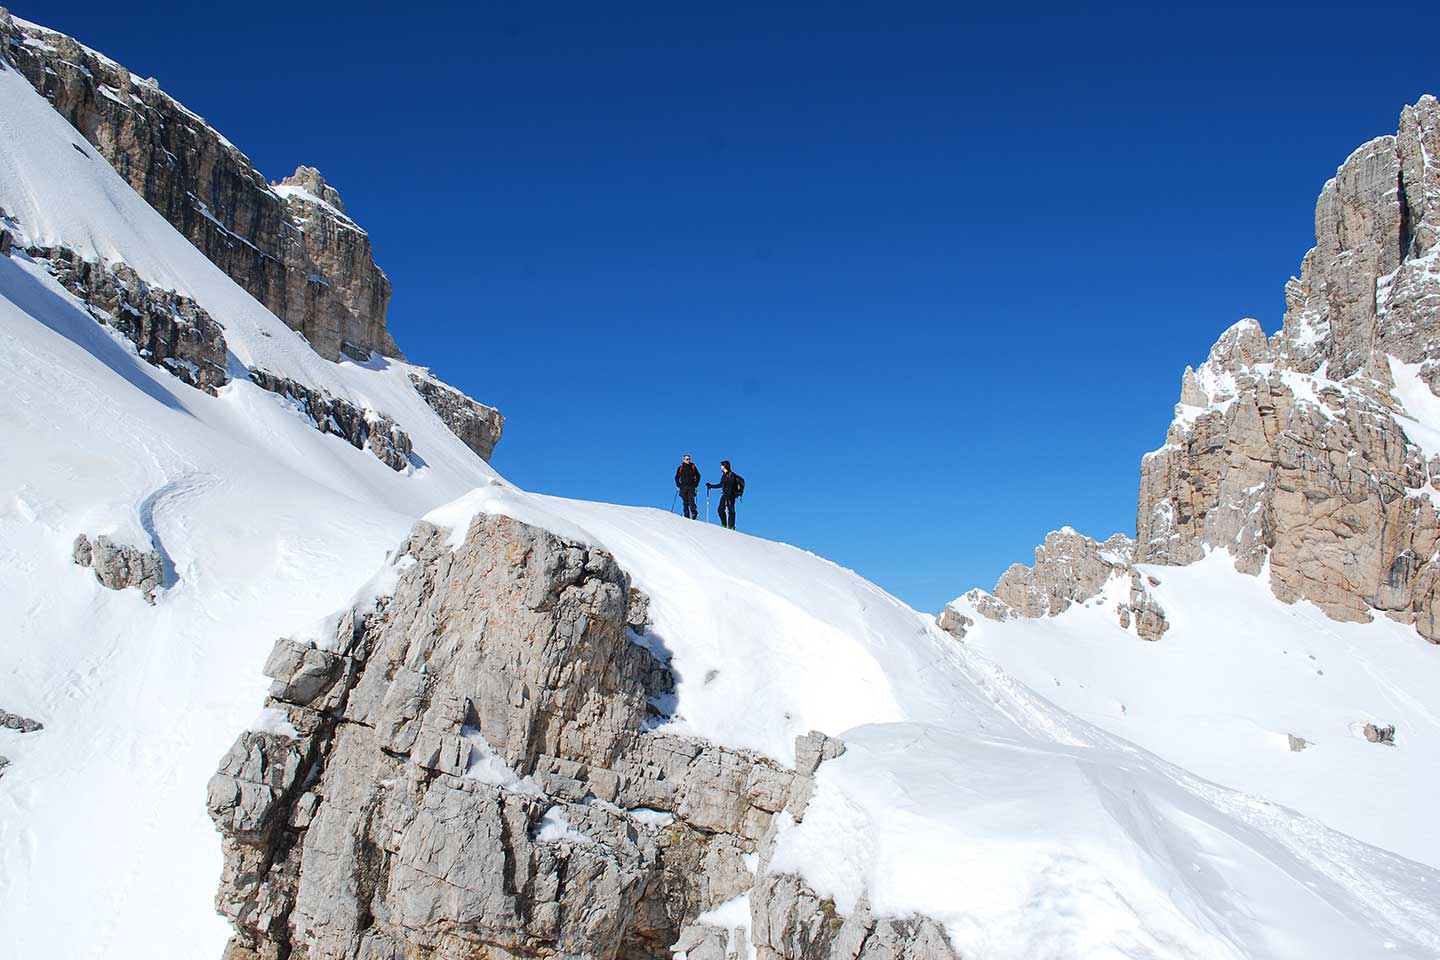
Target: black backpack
739,486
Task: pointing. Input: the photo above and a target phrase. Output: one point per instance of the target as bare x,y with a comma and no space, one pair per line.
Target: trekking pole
707,504
672,501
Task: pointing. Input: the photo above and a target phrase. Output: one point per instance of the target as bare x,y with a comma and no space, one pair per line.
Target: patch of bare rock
1070,568
120,566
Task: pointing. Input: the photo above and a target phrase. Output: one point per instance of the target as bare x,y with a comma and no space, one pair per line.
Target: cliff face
290,246
1308,455
1306,452
469,770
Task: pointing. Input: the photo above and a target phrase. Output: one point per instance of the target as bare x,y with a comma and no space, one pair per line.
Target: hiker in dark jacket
732,487
687,481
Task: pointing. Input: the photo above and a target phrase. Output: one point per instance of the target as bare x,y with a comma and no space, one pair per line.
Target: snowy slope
1028,830
1237,674
264,521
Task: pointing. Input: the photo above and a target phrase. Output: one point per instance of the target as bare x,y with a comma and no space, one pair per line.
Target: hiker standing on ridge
732,487
687,481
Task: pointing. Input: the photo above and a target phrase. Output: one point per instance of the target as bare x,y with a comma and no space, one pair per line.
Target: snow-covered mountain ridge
522,726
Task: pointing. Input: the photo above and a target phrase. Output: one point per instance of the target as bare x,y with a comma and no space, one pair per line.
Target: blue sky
929,277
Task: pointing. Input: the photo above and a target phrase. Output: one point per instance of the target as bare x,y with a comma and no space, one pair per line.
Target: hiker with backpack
687,482
732,488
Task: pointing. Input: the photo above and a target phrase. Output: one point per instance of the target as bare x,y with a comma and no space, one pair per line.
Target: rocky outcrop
292,247
362,429
1070,568
346,295
174,333
1294,453
955,623
119,566
477,425
13,721
470,770
18,724
1288,452
167,329
1377,733
792,922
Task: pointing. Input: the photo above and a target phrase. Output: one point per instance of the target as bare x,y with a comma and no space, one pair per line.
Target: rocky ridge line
470,769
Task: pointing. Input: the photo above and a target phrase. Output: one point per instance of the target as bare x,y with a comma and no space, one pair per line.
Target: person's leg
692,512
732,513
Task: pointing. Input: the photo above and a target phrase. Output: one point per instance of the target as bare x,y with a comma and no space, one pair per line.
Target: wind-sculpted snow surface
968,815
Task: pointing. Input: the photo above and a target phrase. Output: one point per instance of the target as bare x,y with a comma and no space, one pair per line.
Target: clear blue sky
928,277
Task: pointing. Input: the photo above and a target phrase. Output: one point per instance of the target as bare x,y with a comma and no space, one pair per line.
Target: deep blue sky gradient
928,276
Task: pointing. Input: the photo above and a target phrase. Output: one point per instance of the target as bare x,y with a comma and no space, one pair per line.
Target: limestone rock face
291,245
791,922
477,425
168,330
118,566
305,261
362,429
1291,451
468,770
1069,568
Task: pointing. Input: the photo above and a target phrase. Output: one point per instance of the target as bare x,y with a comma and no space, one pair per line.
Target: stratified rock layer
468,771
291,246
362,429
477,425
168,330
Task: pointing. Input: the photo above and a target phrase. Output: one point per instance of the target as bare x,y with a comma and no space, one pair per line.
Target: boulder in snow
1380,734
118,566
